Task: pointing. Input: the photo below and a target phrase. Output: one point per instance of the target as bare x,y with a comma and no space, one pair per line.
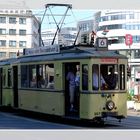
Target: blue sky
70,21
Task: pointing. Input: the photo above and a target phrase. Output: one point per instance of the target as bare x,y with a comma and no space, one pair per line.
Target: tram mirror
57,73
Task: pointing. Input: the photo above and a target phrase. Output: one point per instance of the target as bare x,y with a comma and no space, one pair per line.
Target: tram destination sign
109,60
42,50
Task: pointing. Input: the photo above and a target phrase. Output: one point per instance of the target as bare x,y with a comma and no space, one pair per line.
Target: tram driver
112,79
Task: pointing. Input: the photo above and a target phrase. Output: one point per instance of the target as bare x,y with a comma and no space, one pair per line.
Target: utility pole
128,42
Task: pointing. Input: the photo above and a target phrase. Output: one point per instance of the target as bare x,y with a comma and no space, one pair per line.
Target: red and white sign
137,74
128,39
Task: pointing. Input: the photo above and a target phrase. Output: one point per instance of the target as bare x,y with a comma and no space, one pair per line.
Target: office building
18,30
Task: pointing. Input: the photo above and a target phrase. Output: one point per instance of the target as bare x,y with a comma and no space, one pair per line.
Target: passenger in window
33,82
41,81
96,79
46,81
51,82
112,79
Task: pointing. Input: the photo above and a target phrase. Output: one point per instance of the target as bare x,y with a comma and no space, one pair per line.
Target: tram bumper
112,114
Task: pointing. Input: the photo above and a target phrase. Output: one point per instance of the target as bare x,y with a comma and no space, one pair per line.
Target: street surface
14,121
11,121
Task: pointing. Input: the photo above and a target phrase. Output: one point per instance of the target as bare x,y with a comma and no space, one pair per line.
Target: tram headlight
110,105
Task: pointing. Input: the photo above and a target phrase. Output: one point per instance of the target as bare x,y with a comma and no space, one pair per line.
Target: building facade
18,30
85,28
65,37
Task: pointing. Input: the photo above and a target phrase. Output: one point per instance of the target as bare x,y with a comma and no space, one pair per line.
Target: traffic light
85,39
92,38
128,71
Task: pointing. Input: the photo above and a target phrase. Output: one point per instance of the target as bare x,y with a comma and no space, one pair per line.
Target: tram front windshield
108,77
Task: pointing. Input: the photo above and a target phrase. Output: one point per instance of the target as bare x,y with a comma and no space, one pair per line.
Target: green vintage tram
37,82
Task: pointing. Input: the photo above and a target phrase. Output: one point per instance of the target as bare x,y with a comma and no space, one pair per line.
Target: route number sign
102,42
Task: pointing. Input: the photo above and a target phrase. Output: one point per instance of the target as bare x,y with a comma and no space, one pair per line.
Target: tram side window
41,76
95,77
45,76
49,76
32,76
37,76
110,75
24,76
4,77
9,78
122,77
85,77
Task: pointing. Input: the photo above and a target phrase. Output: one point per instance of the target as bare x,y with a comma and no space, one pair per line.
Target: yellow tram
37,82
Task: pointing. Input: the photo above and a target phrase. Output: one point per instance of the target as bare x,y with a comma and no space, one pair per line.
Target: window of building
22,32
131,16
2,54
12,20
22,43
12,31
105,18
118,17
22,20
12,54
2,31
12,43
2,19
137,53
2,43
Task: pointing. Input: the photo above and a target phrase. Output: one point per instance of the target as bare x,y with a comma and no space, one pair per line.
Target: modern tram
37,82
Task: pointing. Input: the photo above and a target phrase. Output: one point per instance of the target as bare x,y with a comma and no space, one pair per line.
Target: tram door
75,112
0,86
15,85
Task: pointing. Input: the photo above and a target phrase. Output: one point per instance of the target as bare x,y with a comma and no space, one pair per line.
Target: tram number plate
97,113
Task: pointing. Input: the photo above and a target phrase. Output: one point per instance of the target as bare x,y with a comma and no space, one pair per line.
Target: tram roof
7,61
73,53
